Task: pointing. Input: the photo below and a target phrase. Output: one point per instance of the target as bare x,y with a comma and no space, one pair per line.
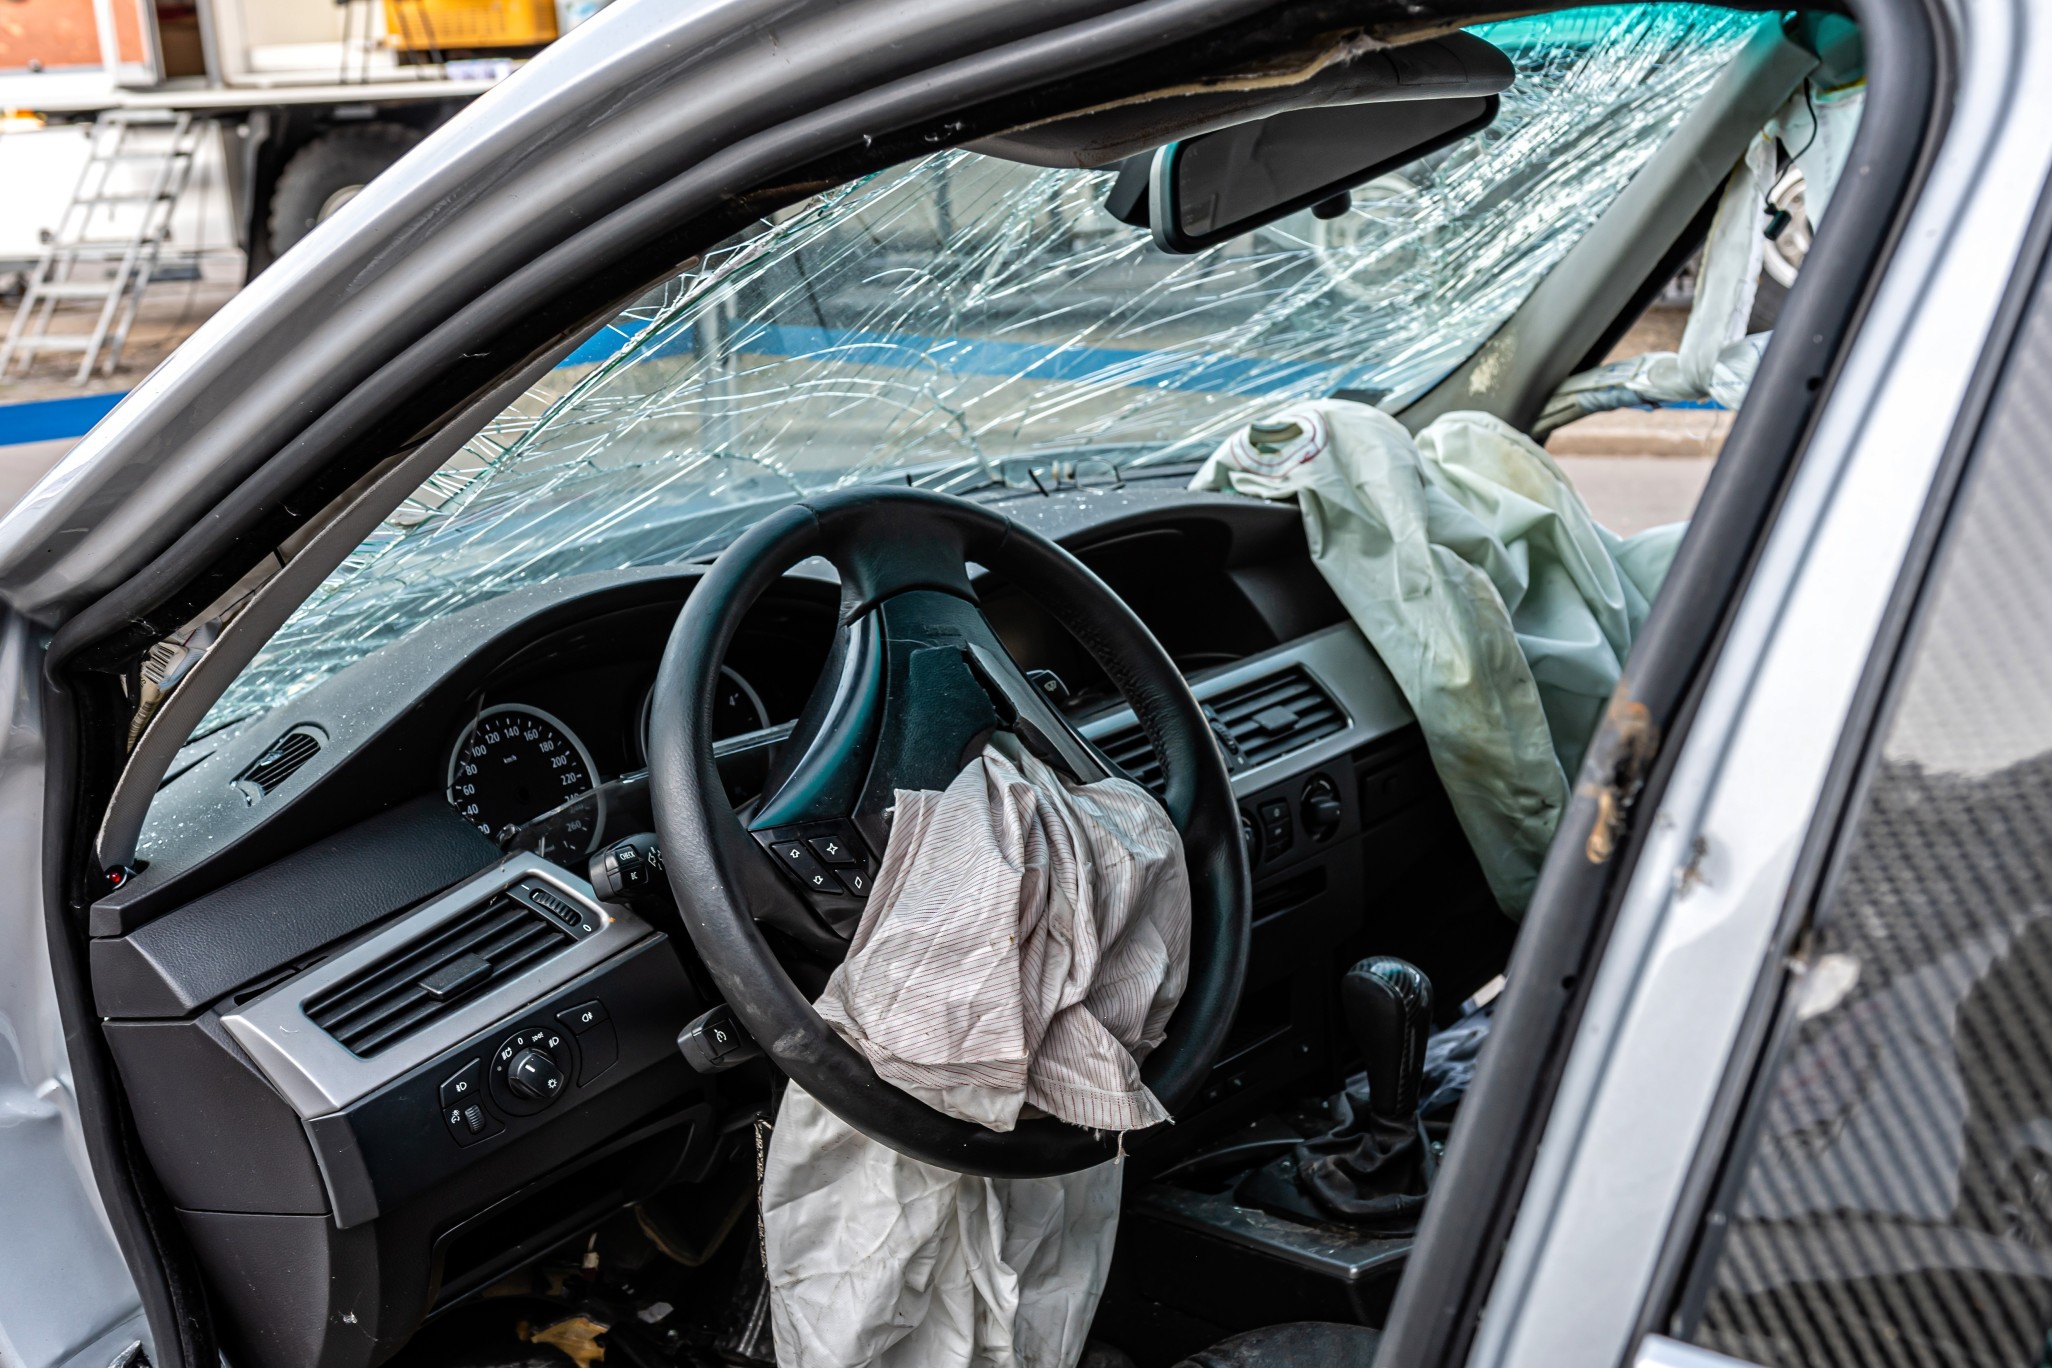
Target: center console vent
1277,714
406,990
1256,721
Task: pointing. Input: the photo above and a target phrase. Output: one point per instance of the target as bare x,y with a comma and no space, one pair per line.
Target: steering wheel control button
833,849
795,856
715,1041
828,860
532,1068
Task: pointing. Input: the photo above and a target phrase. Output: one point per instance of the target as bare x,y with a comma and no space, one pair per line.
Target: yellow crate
421,25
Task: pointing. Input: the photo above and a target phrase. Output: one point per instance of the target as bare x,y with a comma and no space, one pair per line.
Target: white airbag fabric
1718,358
1025,944
1501,608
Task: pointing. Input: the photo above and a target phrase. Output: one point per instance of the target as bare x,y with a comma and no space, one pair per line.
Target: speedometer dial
516,763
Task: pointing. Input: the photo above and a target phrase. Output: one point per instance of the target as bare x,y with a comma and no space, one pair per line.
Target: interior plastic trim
1343,664
317,1075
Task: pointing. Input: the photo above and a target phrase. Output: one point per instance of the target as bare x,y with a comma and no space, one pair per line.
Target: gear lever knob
1388,1006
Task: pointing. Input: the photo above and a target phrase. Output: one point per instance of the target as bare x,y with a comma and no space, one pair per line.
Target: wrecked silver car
857,684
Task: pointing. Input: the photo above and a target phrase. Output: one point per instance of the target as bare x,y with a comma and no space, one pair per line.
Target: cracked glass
960,322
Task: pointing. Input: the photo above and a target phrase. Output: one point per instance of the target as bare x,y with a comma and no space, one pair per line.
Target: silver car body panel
66,1295
1674,987
1658,1351
1699,918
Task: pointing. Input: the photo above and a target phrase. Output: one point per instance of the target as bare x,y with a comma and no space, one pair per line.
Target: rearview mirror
1217,185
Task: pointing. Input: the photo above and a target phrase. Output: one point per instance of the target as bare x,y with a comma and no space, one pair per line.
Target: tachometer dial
515,763
737,708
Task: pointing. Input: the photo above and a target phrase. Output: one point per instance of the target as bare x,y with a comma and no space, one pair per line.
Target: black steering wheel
916,683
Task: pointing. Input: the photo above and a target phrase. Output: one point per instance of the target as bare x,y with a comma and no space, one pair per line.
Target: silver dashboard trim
318,1076
1658,1351
1345,666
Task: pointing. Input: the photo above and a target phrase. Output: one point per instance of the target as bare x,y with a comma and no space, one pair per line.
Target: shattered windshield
961,321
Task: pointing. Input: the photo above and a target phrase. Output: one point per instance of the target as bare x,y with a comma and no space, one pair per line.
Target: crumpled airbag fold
1501,607
1026,942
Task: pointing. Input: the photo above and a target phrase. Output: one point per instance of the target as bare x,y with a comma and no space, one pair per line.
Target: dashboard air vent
405,991
280,762
1258,721
1129,749
1275,715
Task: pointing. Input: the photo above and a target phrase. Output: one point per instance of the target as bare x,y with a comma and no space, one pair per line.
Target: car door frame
1736,826
511,235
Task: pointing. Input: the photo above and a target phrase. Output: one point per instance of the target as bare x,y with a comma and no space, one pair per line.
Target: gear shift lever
1371,1171
1388,1006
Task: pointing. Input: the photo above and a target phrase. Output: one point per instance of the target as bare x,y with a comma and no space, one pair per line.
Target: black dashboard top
1216,577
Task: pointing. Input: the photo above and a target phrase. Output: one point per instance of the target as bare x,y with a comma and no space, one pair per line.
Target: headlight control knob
534,1076
1323,811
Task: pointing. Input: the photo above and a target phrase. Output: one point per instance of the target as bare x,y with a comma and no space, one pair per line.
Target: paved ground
1629,494
168,316
1626,493
21,466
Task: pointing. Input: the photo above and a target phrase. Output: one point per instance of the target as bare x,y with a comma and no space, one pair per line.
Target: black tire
318,173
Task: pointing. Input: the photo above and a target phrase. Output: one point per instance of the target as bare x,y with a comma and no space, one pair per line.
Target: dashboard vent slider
403,992
456,977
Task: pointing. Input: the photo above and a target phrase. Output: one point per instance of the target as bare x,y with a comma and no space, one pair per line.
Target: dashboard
363,928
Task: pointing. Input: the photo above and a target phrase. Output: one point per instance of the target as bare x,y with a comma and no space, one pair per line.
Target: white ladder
95,231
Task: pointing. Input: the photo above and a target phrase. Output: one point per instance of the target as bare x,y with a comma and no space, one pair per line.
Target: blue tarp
50,420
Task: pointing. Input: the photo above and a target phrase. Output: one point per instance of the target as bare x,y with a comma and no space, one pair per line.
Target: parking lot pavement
1629,494
1639,468
170,311
22,464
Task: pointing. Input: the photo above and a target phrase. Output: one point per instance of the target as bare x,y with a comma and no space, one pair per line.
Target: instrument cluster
527,779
